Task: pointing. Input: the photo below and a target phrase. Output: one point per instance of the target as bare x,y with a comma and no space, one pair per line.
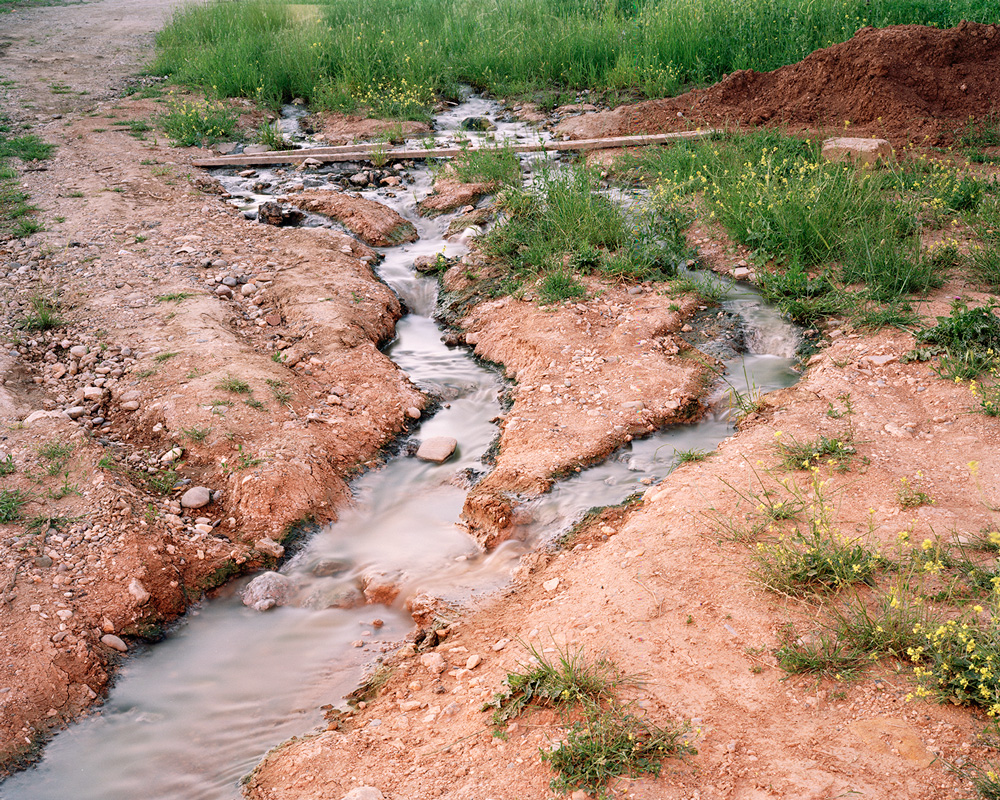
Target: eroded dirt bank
662,593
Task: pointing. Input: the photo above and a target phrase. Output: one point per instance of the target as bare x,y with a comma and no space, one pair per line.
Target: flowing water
189,716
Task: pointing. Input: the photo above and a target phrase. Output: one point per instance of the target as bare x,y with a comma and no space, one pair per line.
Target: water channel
189,716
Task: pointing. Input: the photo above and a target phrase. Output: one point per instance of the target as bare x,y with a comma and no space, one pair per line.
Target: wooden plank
364,152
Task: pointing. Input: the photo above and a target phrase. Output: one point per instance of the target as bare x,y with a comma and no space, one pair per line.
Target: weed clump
605,737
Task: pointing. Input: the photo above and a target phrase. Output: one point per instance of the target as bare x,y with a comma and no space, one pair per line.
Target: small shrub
609,743
44,316
911,494
837,451
189,122
816,561
819,654
7,466
956,662
196,434
233,384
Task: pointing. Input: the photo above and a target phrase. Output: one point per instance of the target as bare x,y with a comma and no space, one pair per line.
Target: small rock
138,591
500,645
130,405
551,585
75,412
92,393
223,291
248,289
269,547
266,591
433,662
114,643
473,662
196,497
437,449
171,455
79,351
413,412
862,151
43,562
364,793
741,273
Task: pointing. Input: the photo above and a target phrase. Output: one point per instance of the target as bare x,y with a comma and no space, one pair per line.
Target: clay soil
907,84
137,247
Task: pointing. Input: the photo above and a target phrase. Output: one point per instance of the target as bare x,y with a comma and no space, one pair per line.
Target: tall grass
343,54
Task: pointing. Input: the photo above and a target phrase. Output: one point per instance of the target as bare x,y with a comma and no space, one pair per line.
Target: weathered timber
365,152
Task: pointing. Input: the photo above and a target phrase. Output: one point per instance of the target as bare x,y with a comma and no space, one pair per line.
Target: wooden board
365,152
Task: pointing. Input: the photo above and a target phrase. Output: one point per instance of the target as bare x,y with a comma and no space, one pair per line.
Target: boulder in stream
437,449
267,590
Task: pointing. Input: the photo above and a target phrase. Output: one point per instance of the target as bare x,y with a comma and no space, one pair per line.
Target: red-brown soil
372,222
903,83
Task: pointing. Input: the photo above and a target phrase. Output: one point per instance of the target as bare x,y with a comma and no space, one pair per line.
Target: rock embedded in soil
269,547
437,449
112,641
364,793
196,497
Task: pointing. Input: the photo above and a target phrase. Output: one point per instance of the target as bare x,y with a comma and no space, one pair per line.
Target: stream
189,716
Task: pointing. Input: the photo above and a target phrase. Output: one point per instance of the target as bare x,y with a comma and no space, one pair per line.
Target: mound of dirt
901,83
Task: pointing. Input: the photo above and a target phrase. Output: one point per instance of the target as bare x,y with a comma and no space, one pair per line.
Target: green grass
495,165
55,454
233,384
17,218
564,227
397,56
11,502
44,315
191,122
196,434
830,451
831,237
605,737
7,466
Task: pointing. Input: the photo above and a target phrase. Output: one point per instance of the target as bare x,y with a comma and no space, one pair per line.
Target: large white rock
437,449
267,590
861,151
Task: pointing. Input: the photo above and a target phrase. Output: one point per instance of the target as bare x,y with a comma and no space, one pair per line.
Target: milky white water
189,716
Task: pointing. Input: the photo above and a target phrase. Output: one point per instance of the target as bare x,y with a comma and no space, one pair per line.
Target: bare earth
156,350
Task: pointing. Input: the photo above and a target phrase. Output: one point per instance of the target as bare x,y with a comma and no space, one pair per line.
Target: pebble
474,661
551,585
112,641
75,412
500,645
413,412
138,591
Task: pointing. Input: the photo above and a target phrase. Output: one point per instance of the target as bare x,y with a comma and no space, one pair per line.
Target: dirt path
92,49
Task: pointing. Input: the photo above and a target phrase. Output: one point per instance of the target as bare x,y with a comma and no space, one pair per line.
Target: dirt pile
902,83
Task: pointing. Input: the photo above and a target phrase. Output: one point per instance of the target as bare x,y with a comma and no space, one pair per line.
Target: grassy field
396,56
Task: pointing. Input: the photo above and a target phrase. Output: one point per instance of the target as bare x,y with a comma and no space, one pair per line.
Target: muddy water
189,716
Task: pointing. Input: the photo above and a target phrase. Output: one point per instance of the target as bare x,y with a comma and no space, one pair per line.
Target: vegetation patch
336,57
564,227
605,738
17,215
